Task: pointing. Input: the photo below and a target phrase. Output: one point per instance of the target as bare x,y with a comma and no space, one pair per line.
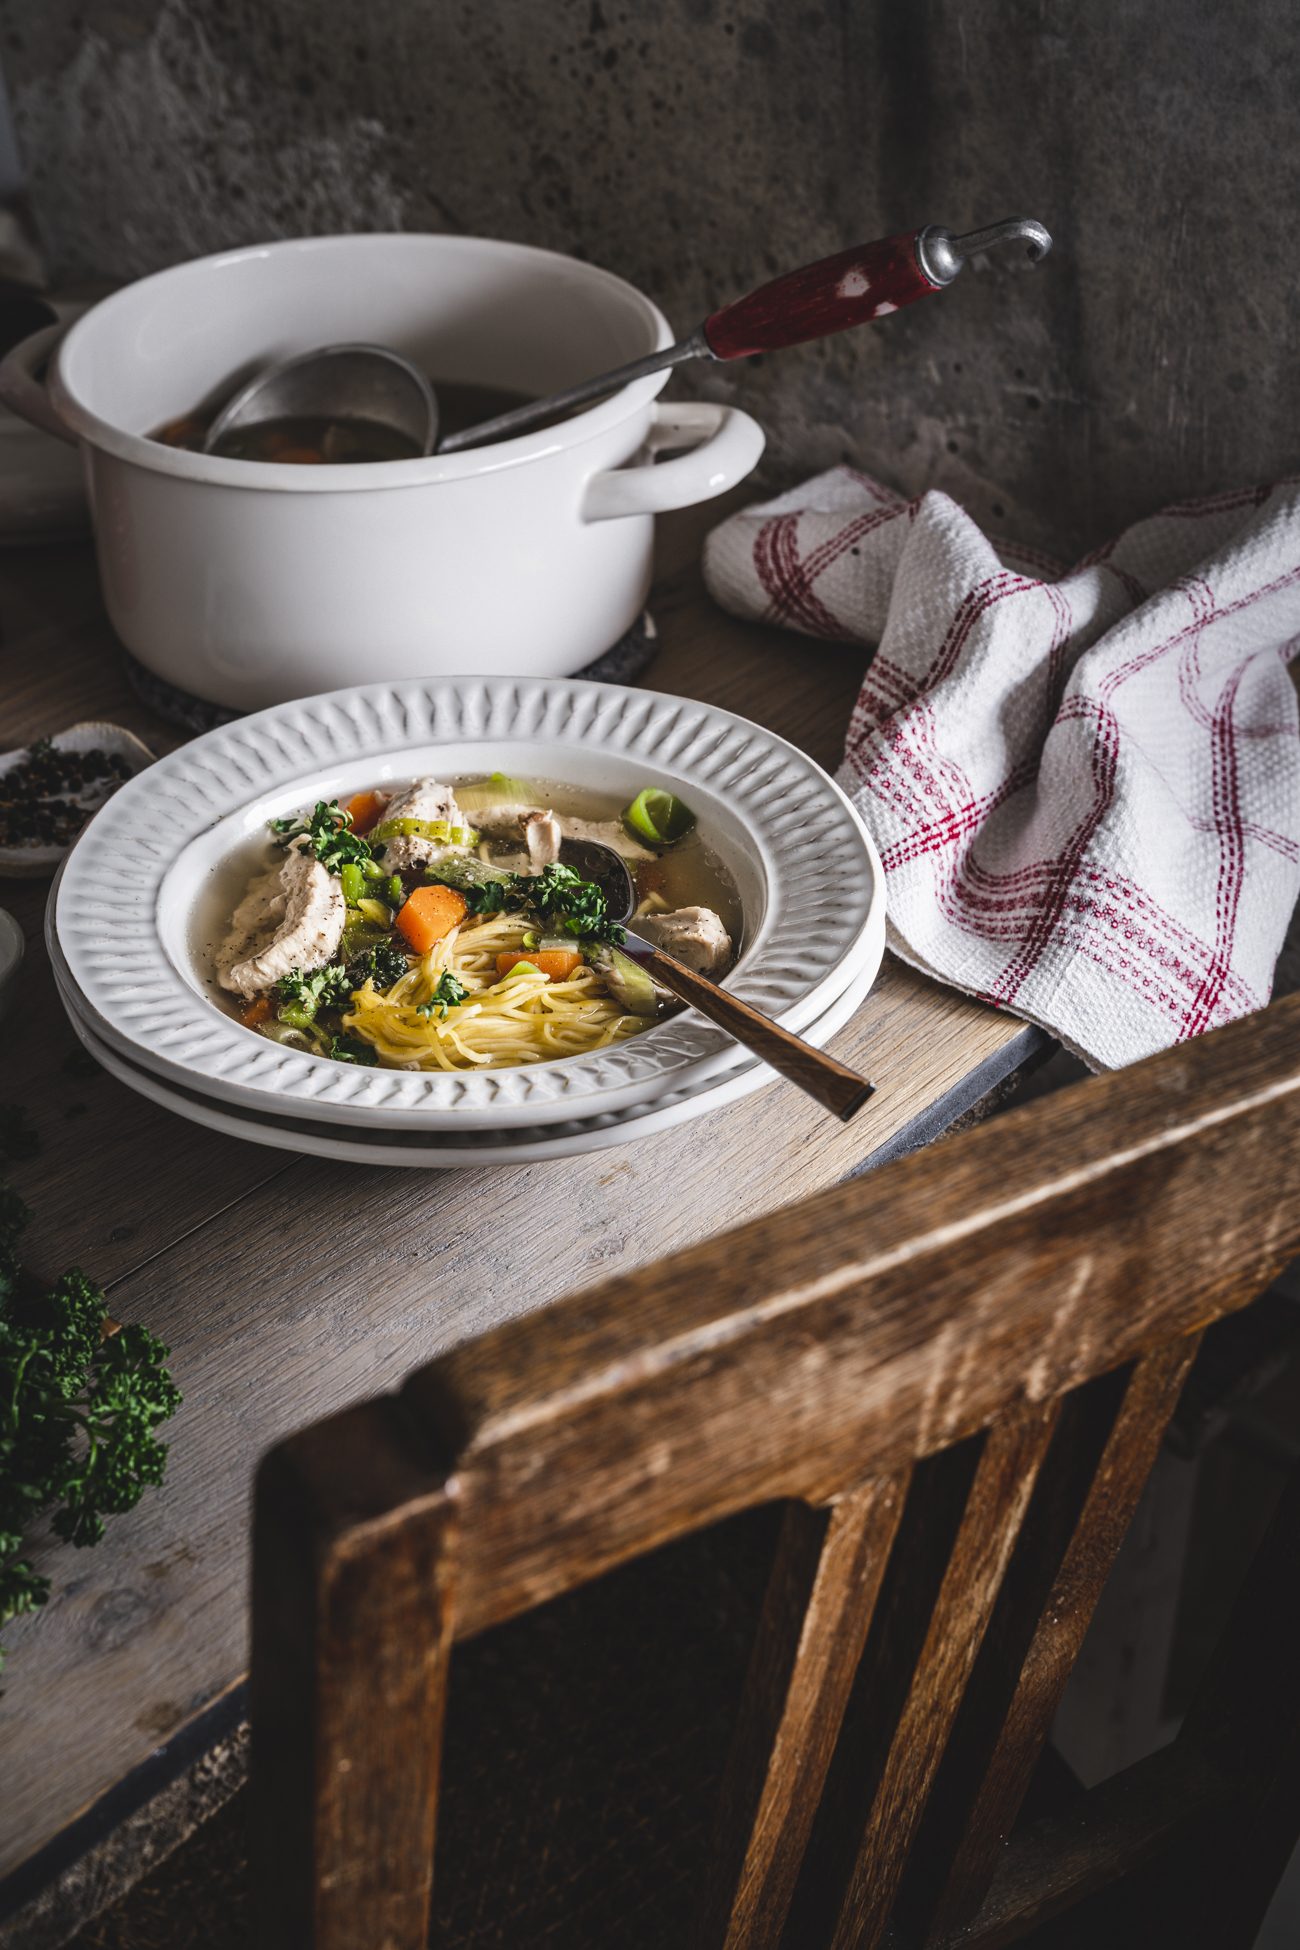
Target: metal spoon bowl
831,1082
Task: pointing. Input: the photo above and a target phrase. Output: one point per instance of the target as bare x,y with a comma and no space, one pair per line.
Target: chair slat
1104,1836
877,1323
993,1787
353,1581
900,1354
995,1507
817,1610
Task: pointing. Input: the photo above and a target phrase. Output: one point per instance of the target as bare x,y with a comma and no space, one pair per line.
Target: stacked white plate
147,888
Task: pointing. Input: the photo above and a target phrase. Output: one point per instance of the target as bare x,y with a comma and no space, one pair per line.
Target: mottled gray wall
697,145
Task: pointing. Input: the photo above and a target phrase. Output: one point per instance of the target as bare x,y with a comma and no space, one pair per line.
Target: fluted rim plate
441,1150
129,907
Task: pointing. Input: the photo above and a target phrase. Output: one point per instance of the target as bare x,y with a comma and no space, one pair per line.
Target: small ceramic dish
37,861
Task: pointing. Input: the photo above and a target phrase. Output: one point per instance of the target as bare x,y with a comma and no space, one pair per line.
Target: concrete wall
699,145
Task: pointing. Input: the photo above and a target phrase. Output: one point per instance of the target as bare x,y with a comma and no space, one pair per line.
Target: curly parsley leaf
81,1400
568,904
383,964
328,831
449,994
324,988
561,899
350,1049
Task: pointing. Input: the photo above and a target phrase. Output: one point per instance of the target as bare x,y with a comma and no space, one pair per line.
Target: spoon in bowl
823,1077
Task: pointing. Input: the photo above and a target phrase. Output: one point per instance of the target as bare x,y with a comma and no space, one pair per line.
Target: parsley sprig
382,963
350,1049
558,897
328,831
449,993
81,1399
324,988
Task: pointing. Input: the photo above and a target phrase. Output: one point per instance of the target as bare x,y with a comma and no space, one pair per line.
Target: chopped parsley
448,994
569,904
488,896
325,988
382,963
557,896
350,1049
328,831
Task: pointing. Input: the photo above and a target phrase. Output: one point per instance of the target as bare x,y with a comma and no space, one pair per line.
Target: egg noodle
505,1021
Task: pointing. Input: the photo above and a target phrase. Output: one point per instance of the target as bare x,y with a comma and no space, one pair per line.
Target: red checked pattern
1084,782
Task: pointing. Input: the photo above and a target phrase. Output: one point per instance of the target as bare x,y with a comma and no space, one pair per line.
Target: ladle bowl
367,383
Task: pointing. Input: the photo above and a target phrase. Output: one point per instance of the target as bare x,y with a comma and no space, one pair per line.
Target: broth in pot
322,441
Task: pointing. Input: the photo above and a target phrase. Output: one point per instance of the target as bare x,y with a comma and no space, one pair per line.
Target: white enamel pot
249,583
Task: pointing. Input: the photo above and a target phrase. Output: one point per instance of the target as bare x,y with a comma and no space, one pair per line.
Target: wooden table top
286,1287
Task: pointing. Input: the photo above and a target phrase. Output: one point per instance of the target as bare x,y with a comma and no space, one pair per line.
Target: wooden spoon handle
851,288
832,1083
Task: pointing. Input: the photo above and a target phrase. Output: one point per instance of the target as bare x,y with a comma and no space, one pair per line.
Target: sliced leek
440,830
659,819
499,790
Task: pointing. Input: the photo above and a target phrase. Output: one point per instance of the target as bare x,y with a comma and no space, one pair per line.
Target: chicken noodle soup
448,926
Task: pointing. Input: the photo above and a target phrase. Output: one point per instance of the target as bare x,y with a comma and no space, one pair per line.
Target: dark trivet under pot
623,663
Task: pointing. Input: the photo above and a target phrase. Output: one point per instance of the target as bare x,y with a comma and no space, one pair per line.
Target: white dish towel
1084,782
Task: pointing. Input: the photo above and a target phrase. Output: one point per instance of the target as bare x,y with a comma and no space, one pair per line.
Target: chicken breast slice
693,935
426,799
305,913
542,837
506,822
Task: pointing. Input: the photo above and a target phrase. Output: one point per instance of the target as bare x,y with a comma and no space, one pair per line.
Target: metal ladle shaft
852,288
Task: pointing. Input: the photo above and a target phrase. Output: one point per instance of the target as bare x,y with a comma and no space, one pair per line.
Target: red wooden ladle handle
851,288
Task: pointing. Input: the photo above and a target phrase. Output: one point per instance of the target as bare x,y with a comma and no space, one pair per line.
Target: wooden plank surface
285,1287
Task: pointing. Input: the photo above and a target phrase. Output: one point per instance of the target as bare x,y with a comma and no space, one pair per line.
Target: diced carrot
557,964
364,810
428,915
256,1011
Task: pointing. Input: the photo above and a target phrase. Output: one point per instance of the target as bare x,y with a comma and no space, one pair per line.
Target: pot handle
725,446
26,395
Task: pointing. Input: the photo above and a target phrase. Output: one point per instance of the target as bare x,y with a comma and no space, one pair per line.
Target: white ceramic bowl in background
249,583
145,892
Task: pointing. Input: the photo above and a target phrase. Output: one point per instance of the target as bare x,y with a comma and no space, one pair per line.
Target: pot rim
270,477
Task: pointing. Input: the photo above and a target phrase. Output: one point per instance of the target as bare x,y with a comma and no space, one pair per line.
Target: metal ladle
371,382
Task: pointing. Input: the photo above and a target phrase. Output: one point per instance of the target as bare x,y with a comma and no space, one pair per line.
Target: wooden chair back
954,1374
